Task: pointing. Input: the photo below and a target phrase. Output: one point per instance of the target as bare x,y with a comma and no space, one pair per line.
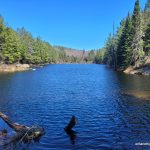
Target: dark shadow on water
72,135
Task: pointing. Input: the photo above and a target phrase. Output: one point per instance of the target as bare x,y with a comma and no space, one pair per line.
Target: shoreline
138,71
6,68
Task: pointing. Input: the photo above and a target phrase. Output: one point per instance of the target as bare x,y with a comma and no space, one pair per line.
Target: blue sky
80,24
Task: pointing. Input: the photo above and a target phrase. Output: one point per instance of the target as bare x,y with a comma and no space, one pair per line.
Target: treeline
69,55
20,47
130,45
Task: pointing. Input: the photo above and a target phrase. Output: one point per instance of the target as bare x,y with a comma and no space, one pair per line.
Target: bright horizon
79,24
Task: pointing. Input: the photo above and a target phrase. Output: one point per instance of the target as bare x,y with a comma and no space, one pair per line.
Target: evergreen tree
124,48
147,40
108,56
21,47
91,56
146,28
2,27
100,56
132,40
11,46
120,42
137,42
38,48
147,13
26,45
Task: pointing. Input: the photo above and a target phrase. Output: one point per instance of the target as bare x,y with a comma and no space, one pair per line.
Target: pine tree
2,27
137,43
147,28
147,13
120,42
124,44
147,40
108,56
11,48
128,36
27,45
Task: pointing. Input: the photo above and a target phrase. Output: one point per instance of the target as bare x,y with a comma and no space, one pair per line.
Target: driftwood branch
15,126
23,133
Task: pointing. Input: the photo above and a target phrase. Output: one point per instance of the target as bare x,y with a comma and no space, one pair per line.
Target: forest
21,47
130,44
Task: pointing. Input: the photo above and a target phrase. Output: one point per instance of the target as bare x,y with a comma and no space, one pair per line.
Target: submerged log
23,133
68,129
71,124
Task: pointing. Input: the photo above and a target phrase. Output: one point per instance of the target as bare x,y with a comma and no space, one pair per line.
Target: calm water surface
49,96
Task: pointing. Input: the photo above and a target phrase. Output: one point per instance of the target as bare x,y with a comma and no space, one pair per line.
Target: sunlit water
49,96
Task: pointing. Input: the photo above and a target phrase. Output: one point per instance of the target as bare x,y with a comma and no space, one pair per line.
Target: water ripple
107,119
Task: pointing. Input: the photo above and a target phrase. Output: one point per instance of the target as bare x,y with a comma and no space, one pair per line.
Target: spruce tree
128,36
147,28
11,48
147,40
137,42
124,44
108,56
147,13
27,45
2,27
120,42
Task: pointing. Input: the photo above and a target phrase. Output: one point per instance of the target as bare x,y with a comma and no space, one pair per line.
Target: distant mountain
73,52
70,55
77,53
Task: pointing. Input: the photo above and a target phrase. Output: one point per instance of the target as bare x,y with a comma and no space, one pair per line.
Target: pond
107,117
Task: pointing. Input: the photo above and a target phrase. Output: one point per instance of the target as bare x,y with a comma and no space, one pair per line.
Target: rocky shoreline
23,67
140,68
14,67
139,71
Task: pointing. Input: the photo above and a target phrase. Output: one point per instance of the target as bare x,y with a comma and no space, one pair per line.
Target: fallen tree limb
23,133
15,126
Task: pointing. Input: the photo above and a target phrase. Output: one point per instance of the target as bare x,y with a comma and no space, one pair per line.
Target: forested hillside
21,47
76,56
130,45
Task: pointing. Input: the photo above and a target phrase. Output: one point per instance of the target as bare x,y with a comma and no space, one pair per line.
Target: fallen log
23,133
